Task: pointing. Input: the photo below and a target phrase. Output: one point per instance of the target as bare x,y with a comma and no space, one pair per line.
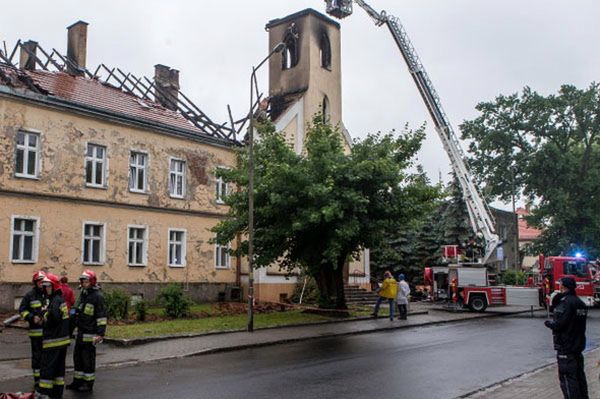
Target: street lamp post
277,49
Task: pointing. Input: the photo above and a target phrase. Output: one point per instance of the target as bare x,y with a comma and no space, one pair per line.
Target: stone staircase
356,295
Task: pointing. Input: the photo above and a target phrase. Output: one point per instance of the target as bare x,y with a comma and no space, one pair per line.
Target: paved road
429,362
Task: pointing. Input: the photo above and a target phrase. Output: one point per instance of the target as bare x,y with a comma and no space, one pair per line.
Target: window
137,240
95,166
290,56
24,243
93,243
221,190
177,178
576,268
326,110
222,256
177,248
325,52
137,171
27,157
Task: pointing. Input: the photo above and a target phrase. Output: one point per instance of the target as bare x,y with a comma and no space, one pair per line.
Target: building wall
507,230
61,202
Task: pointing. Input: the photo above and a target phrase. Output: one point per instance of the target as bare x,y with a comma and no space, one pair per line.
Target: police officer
56,340
568,330
90,320
30,310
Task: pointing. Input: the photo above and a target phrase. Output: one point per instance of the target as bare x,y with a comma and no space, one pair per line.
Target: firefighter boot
87,386
74,386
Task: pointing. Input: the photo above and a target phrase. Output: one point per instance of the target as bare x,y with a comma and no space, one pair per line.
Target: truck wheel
478,304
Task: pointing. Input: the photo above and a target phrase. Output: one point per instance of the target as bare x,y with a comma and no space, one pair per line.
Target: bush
117,304
311,292
141,309
513,277
174,300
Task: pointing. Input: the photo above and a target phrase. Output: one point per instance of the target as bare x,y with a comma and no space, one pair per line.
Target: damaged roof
93,93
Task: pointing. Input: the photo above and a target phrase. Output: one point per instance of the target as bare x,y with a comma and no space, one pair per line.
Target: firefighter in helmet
56,340
89,316
30,310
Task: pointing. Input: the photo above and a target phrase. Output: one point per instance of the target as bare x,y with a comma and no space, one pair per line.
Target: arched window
325,108
290,55
325,51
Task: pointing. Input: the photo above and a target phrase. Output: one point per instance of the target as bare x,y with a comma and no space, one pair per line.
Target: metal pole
250,327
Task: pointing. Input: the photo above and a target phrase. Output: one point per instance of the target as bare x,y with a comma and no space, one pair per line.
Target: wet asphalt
443,361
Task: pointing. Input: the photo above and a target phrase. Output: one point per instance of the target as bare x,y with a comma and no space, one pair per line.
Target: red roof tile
526,233
91,92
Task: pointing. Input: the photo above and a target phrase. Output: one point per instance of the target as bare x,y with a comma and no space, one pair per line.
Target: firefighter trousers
36,357
402,310
84,359
571,373
52,373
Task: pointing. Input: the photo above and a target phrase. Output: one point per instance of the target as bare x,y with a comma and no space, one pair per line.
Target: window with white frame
137,240
28,154
95,165
222,256
221,190
137,171
24,241
177,247
93,243
177,178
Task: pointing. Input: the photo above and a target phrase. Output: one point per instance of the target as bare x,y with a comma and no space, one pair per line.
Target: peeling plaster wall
61,201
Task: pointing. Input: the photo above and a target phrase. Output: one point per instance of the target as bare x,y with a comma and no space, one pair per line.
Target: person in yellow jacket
388,291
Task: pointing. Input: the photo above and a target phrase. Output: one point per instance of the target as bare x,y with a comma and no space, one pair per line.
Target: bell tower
306,77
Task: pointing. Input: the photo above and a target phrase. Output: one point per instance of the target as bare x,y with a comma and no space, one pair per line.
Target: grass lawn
216,322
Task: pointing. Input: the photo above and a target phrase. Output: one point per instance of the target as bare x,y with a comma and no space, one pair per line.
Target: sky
473,50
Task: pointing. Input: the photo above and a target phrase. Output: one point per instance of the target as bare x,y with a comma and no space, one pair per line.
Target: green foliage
174,300
141,309
512,277
315,210
546,148
311,290
117,303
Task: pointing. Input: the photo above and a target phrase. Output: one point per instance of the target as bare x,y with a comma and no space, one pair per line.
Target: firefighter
568,330
90,320
56,340
31,311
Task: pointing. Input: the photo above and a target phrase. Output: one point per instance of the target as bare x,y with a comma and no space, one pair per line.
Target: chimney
28,55
77,47
166,81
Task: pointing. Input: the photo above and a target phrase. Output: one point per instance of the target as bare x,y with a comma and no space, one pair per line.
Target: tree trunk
340,297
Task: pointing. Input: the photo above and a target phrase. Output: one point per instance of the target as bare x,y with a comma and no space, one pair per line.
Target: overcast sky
473,50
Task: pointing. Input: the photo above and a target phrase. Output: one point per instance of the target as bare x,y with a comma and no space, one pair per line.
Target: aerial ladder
480,216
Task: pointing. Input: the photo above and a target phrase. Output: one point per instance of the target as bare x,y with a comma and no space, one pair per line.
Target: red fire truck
553,268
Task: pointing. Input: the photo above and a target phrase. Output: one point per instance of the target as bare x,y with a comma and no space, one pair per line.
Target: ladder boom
479,214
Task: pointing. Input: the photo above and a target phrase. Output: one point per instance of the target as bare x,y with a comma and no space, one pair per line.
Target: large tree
318,209
547,149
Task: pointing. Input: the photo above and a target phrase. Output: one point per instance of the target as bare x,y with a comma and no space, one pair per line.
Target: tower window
326,110
325,52
290,55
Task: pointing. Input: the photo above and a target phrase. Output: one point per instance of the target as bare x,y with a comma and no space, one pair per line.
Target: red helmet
89,275
54,281
37,276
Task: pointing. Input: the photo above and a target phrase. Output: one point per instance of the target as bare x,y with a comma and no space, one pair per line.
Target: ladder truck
470,285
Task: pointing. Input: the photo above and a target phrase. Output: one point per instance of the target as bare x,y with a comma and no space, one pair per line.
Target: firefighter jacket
389,288
56,324
31,305
568,325
90,314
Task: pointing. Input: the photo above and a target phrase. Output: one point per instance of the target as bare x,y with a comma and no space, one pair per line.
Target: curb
499,384
141,341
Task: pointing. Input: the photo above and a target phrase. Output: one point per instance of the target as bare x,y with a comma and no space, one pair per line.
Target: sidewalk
16,363
543,383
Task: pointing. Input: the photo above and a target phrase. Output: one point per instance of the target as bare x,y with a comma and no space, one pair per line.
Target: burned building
108,171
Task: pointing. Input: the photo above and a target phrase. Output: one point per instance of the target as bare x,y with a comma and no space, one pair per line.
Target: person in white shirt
402,297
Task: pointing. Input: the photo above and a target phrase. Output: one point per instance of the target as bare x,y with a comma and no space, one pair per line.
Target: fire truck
467,282
553,268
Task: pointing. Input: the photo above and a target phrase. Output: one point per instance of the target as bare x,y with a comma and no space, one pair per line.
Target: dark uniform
90,320
54,347
31,305
568,330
